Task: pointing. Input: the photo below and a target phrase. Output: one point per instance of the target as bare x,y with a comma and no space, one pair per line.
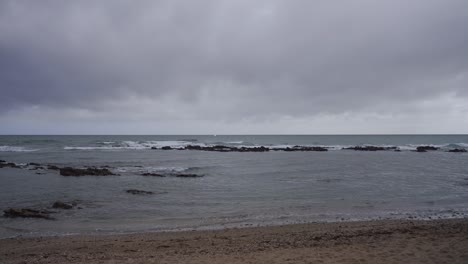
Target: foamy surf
15,149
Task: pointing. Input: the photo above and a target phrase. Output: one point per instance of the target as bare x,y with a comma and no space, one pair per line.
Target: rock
37,168
9,165
34,164
2,161
62,205
302,148
192,147
52,167
152,174
166,148
68,171
27,213
425,148
370,148
183,175
134,191
154,148
458,150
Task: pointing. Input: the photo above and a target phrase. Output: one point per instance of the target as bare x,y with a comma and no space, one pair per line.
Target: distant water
237,189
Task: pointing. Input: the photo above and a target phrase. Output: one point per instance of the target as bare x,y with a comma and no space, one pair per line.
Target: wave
154,169
133,145
143,145
15,149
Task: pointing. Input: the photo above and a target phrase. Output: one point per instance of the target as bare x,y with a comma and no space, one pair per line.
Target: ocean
233,189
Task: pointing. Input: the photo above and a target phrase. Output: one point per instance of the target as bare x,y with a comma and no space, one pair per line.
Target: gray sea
238,189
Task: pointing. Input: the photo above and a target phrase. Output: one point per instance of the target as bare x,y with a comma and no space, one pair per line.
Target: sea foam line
15,149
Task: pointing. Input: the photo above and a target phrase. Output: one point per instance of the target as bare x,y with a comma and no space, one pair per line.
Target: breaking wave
143,145
15,149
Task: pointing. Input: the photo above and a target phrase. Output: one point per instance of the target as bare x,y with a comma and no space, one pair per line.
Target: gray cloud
231,60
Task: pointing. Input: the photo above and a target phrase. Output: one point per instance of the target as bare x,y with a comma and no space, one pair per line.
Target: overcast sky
233,67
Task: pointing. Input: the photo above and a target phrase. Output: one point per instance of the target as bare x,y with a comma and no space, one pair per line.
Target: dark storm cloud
256,57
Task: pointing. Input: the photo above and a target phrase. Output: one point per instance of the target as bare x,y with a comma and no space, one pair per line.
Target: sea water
237,189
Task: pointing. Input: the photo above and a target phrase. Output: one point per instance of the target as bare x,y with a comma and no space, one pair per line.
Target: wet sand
437,241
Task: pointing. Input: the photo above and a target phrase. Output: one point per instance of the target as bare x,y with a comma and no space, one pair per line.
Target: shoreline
377,241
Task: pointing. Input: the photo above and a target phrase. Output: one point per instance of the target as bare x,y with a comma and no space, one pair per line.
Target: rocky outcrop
140,192
221,148
27,213
4,164
301,148
458,150
426,148
166,148
186,175
371,148
62,205
52,167
69,171
152,174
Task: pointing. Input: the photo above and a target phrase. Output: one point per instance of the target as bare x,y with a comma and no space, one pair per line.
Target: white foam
135,145
15,149
235,142
152,169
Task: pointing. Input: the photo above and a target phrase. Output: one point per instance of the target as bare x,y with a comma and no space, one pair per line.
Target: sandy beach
437,241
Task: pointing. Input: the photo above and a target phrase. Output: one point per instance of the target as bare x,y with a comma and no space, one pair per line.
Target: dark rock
27,213
68,171
302,148
34,164
425,148
9,165
221,148
62,205
183,175
166,148
193,147
458,150
370,148
154,148
152,174
134,191
2,161
52,167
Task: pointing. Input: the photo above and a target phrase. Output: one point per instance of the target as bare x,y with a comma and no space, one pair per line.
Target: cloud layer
234,64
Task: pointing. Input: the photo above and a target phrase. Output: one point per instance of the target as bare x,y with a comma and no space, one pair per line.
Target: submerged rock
426,148
62,205
69,171
34,164
135,191
52,167
27,213
152,174
5,164
166,148
186,175
458,150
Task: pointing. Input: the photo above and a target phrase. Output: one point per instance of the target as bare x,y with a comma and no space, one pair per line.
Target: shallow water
237,189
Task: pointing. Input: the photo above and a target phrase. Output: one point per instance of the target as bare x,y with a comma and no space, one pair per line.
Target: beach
435,241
